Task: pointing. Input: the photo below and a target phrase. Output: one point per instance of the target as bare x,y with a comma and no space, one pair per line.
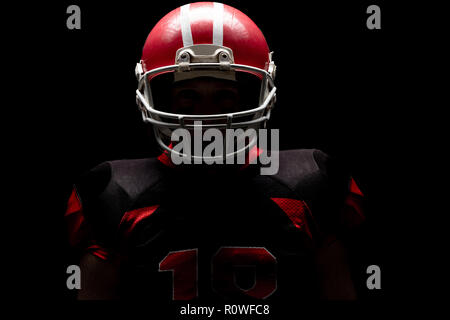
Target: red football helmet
205,39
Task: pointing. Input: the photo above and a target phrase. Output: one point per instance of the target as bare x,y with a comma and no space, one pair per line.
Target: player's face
205,96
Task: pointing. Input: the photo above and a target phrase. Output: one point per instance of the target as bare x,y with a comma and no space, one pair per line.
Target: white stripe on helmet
218,24
185,26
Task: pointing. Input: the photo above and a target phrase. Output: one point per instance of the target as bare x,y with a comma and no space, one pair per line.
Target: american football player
151,229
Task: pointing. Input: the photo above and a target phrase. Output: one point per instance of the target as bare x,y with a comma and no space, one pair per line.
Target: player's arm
99,262
334,272
341,211
99,278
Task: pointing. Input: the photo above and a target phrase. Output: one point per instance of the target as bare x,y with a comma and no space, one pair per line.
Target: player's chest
242,246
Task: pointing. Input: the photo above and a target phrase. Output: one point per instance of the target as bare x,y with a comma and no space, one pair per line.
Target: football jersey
196,233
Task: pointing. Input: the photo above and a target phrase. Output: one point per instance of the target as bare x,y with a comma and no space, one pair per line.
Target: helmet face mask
210,60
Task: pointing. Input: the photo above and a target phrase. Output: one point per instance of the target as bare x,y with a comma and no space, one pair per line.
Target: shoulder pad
318,179
108,190
307,171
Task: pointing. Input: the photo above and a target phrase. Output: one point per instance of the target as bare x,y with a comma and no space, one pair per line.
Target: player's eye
186,100
227,100
188,94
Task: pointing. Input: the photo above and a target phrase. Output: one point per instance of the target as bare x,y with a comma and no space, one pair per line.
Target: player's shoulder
105,192
299,164
303,160
136,175
119,178
309,171
326,184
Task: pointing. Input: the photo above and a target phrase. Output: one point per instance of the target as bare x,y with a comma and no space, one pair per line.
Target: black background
339,90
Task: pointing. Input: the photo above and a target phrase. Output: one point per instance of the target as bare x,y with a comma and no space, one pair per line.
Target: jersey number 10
184,267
